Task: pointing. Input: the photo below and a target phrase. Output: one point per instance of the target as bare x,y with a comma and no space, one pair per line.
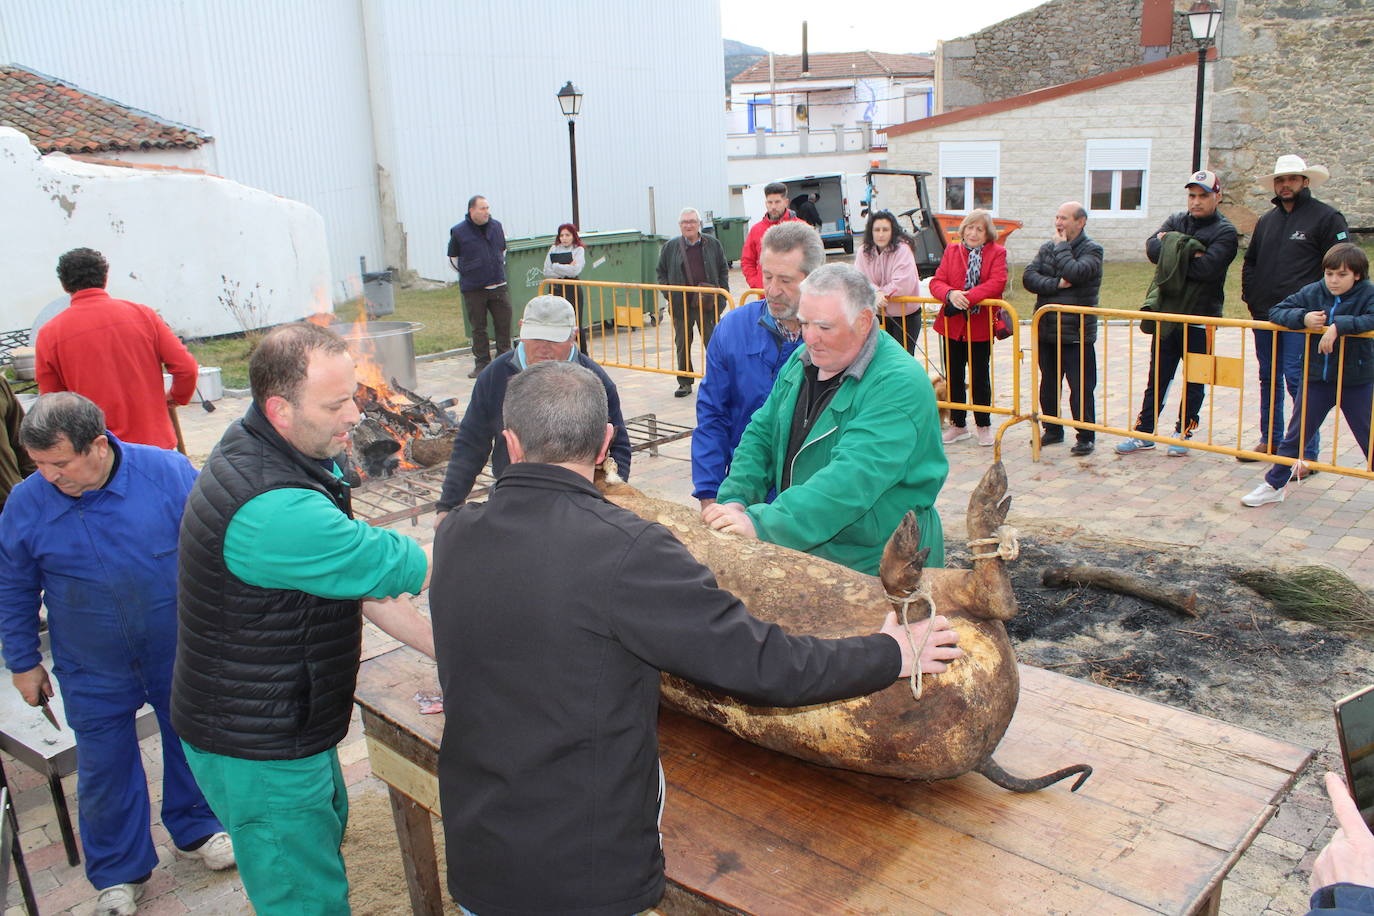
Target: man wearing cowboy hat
1285,254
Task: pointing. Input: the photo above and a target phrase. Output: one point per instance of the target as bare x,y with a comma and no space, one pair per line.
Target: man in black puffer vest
275,576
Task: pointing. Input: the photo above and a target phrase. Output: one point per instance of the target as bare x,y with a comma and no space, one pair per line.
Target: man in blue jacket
477,250
749,347
93,536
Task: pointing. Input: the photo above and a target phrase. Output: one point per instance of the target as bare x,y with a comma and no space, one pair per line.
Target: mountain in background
738,58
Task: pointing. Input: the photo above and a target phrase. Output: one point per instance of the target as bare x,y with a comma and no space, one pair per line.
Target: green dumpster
731,231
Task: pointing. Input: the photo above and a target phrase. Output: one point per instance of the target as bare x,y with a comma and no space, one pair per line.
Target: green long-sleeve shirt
298,539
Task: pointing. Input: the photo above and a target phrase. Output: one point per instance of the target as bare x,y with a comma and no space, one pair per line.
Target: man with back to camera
1201,227
774,211
554,613
1067,270
1285,254
849,438
113,352
747,352
547,332
67,542
477,250
275,577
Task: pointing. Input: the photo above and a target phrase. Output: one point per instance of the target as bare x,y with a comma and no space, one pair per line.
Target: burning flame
374,396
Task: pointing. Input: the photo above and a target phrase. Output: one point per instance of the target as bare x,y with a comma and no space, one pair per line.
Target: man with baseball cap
547,332
1212,239
1285,254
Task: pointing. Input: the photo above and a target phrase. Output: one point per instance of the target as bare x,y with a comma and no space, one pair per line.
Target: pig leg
903,559
988,592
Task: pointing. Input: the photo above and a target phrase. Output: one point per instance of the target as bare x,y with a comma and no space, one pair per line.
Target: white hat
1295,165
548,318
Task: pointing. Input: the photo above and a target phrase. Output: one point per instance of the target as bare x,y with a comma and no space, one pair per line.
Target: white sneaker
1262,495
120,900
954,434
217,852
986,436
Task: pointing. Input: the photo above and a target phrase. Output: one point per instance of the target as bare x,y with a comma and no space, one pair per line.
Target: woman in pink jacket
972,270
886,258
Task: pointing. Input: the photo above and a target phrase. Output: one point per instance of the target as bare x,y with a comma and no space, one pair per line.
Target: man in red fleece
775,211
113,352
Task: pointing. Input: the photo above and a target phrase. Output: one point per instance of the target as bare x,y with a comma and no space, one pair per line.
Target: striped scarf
975,265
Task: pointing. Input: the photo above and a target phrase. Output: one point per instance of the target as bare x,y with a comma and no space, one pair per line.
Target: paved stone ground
1191,502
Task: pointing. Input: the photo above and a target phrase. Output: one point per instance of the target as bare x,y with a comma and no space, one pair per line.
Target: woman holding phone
564,261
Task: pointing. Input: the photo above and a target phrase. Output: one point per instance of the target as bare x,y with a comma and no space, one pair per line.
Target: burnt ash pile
397,431
1237,661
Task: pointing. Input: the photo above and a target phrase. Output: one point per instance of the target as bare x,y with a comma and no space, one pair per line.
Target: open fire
399,430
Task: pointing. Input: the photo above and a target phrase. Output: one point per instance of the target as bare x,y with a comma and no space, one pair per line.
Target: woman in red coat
971,270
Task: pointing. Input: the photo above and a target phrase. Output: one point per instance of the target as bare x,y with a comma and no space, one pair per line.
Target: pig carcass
962,714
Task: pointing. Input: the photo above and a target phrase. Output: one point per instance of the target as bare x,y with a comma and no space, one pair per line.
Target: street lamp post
1204,19
570,101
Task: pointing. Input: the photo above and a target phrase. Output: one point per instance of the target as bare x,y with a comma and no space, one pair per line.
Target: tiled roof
787,67
57,116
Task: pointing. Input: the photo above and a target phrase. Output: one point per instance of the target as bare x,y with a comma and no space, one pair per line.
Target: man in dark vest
477,250
275,576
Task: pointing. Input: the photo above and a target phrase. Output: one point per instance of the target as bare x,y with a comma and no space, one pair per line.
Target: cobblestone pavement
1192,502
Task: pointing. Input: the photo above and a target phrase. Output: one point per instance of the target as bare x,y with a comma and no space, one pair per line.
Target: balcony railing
806,142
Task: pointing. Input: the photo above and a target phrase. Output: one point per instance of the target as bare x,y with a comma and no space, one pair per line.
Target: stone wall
1057,42
1295,78
1043,159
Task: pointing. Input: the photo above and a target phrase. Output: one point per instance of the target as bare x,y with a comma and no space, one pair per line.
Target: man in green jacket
849,438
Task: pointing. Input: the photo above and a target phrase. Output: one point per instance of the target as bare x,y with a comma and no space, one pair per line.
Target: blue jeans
1290,351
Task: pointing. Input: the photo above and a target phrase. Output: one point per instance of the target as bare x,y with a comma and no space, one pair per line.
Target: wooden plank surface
1173,799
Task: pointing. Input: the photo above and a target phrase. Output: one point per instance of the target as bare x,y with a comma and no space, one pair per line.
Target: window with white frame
968,176
1117,176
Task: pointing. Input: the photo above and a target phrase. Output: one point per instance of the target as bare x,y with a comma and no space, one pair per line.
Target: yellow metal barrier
918,327
1211,368
634,336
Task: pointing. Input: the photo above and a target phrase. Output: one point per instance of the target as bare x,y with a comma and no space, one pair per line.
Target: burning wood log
421,431
375,448
962,714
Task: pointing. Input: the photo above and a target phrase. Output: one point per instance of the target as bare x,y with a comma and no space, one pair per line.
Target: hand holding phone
1349,857
1355,729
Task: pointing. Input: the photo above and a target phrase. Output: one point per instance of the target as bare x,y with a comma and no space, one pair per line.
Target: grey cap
548,318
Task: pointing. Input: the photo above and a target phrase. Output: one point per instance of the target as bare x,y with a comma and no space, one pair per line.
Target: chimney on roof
806,58
1156,29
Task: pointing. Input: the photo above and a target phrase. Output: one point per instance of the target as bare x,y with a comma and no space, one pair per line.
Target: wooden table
1174,799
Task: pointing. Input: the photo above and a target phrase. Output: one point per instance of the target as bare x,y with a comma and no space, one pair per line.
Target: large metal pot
390,344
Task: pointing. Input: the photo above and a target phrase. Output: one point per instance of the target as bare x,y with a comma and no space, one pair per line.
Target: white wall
176,242
279,85
1043,157
472,109
441,99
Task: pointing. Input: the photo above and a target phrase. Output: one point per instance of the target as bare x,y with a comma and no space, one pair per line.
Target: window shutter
969,160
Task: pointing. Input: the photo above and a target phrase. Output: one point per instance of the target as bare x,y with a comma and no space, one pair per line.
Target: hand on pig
730,518
939,647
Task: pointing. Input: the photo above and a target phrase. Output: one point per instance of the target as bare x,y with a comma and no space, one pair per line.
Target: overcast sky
844,25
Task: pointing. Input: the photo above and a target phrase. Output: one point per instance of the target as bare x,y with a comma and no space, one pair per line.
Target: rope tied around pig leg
921,594
1006,539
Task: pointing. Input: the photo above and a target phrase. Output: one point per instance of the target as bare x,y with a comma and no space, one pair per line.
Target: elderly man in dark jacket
692,259
1202,222
1067,271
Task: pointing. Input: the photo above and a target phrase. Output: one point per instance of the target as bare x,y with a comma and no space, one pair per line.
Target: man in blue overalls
93,536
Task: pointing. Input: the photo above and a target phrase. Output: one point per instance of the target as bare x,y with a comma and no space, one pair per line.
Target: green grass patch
437,309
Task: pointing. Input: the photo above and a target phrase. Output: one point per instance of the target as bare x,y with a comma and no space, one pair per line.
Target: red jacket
992,283
753,244
112,352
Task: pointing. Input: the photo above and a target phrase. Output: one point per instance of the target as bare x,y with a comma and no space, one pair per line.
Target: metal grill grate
413,493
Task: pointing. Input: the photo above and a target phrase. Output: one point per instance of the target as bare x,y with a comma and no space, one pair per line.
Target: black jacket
1079,262
1286,250
479,435
554,612
261,674
1219,236
481,253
